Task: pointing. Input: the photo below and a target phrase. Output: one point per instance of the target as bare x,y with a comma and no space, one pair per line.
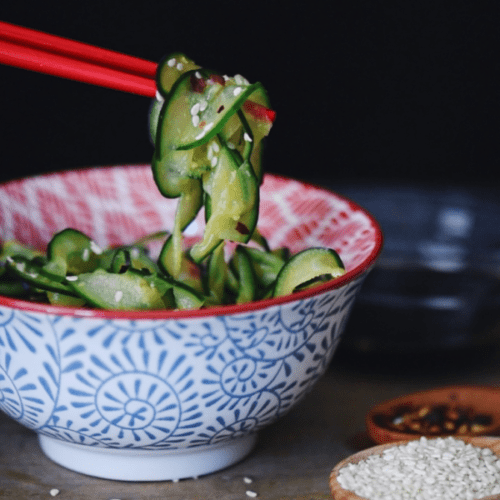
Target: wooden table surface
293,457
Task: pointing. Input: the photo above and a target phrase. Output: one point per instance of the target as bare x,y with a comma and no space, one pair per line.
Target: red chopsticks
36,51
44,53
77,50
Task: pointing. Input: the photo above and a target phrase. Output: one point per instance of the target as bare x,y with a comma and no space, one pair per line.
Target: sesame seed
226,77
237,91
247,480
251,494
210,153
21,266
180,66
171,62
85,254
247,137
9,259
71,278
198,74
195,109
203,105
200,135
54,492
118,296
208,126
213,161
438,468
195,120
215,147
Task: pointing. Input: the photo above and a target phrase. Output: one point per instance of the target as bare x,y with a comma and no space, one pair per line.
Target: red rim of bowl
361,268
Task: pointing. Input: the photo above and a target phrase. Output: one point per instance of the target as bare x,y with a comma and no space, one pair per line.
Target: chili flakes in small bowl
447,411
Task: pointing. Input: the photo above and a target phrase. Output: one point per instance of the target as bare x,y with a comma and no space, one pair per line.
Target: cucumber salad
207,130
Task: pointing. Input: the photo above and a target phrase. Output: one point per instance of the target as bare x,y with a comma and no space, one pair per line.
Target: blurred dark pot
437,282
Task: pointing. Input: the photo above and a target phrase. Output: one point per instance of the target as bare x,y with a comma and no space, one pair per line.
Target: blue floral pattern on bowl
165,384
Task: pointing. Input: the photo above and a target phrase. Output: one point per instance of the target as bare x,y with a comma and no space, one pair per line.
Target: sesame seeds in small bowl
447,411
451,468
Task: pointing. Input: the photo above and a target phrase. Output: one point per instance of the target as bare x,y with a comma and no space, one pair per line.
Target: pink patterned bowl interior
117,205
160,395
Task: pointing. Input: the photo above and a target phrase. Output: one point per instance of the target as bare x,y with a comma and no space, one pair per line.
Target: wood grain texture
340,493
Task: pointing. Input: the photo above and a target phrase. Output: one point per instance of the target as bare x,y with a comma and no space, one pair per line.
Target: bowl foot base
146,465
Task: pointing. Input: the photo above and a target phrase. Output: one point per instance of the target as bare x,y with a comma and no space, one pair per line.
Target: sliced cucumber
176,172
30,271
260,127
13,247
153,117
233,204
247,289
174,184
129,290
232,282
134,257
152,238
174,262
216,275
266,265
187,297
200,104
13,287
70,251
61,299
306,266
170,69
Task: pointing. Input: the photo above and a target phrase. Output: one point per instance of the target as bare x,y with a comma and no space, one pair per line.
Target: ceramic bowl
162,395
481,400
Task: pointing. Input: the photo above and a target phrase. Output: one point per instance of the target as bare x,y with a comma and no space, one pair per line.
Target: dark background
372,91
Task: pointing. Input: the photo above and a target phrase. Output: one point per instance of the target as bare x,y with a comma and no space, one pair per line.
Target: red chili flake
197,84
218,79
259,112
221,108
242,229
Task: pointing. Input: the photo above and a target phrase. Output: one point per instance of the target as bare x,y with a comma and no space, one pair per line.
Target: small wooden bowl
340,493
483,400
